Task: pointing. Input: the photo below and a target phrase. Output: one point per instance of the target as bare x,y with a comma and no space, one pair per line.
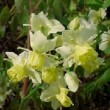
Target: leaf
21,5
14,22
2,31
24,19
106,4
4,15
94,4
18,4
57,8
104,78
1,60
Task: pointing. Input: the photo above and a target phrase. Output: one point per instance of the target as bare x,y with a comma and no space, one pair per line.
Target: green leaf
18,4
4,15
105,77
21,5
2,31
57,8
24,19
14,22
94,4
106,4
1,60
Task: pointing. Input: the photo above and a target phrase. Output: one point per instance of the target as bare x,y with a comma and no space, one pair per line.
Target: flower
105,42
63,98
49,94
74,24
36,60
42,23
86,56
17,72
18,59
96,16
49,75
40,43
76,47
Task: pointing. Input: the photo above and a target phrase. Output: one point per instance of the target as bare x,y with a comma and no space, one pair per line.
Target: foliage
62,47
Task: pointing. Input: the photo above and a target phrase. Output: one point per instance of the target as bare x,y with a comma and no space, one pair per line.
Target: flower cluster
55,50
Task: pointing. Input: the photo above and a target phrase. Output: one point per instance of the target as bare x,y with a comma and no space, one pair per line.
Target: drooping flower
83,55
86,56
17,72
96,16
40,43
42,23
63,98
21,68
85,34
18,59
36,60
49,75
76,48
49,94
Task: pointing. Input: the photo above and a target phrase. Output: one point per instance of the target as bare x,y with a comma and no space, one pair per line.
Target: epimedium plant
56,53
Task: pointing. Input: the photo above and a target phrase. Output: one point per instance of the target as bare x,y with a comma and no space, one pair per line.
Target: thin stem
66,9
25,86
25,81
28,96
36,6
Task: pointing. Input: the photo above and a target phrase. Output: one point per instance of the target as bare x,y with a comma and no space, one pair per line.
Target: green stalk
25,98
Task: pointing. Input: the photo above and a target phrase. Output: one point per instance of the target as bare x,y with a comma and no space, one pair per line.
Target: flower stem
23,100
25,86
25,82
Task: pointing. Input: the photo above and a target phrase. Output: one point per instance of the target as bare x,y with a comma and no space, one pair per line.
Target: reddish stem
25,86
25,81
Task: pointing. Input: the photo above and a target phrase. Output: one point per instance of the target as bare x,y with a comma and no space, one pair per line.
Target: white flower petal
72,81
65,50
48,94
37,41
55,104
56,26
34,76
50,44
12,56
